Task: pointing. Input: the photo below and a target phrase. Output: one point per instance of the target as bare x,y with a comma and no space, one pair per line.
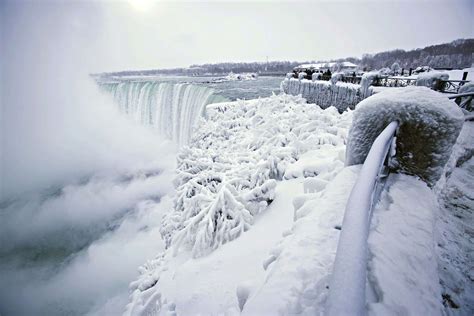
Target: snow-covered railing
464,100
460,95
348,285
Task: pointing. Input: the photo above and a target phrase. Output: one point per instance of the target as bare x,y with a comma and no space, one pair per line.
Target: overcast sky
141,34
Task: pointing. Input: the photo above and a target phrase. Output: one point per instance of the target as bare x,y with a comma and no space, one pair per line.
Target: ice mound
429,126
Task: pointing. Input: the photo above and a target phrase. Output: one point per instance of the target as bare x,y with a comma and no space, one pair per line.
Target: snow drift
429,124
298,269
340,95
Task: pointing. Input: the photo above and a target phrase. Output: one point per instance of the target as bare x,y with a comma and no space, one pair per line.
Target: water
173,104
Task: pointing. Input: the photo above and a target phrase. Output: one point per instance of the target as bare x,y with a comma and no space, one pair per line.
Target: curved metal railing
461,95
347,293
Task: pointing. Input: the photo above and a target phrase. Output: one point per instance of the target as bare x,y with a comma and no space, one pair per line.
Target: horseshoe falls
172,108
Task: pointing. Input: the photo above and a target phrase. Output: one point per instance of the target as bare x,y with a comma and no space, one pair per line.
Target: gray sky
144,34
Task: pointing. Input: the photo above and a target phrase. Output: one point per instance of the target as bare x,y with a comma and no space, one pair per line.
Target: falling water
172,108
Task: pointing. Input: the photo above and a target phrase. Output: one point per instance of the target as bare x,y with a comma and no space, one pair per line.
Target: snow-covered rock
340,95
429,124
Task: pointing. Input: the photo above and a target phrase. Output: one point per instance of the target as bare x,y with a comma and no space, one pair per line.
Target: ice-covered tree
395,68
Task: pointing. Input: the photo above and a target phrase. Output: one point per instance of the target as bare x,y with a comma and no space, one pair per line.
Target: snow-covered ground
281,259
281,138
299,267
402,268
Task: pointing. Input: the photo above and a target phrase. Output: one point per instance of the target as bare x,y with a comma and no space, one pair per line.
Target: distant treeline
457,54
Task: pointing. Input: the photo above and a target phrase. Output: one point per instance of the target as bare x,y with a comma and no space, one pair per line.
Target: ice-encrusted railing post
348,285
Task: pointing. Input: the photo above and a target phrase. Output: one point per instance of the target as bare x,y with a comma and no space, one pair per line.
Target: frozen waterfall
172,108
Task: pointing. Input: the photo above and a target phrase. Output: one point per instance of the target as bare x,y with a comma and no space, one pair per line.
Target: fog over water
83,187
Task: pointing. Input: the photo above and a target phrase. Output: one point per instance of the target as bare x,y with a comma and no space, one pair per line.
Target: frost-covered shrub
341,95
395,68
337,76
228,173
432,79
429,125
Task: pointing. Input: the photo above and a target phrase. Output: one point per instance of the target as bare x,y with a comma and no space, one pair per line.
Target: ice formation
244,76
429,125
227,175
340,95
367,80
